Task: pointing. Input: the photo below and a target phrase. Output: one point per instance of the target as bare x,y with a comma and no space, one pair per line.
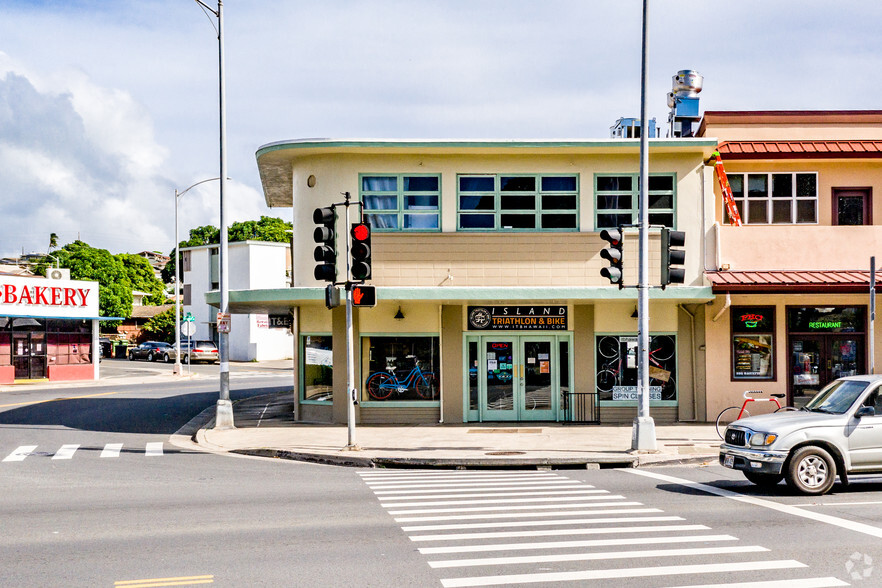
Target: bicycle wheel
662,347
380,386
787,409
728,416
608,347
426,385
606,380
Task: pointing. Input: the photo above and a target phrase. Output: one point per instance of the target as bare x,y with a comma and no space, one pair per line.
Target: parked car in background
193,352
838,433
149,350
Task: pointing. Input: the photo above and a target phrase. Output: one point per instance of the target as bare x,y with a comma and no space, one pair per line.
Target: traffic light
671,257
364,295
613,254
360,251
326,251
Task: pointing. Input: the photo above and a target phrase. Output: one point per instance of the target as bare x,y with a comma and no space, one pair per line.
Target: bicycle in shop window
610,374
382,385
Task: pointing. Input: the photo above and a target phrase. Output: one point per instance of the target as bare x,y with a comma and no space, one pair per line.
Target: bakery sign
40,297
517,318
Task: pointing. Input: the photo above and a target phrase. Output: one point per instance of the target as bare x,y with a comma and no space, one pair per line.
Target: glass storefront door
816,360
513,378
29,355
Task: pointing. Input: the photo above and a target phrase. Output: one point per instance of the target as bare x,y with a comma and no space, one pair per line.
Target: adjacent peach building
791,285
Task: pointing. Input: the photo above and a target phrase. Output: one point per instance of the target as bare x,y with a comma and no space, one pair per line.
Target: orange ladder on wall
728,198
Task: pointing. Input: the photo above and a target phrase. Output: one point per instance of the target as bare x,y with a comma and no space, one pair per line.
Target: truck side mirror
865,411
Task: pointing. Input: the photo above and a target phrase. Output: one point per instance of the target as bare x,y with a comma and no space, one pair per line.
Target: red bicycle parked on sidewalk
733,413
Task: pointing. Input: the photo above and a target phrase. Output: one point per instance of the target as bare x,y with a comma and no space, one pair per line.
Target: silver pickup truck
839,432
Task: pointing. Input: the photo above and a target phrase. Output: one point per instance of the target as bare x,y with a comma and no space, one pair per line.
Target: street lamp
177,369
224,415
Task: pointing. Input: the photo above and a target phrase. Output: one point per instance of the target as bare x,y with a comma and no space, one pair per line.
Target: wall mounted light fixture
399,315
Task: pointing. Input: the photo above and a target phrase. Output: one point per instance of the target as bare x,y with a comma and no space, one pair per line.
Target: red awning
788,281
869,149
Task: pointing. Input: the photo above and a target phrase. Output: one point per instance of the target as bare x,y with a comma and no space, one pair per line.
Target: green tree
162,326
88,263
53,241
142,277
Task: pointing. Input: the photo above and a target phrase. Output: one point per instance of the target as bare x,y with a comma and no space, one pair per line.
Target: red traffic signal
360,251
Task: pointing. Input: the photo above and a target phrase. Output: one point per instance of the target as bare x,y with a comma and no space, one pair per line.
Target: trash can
121,351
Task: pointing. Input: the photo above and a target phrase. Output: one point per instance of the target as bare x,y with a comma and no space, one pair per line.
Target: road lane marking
500,488
489,501
791,583
558,532
28,403
784,508
508,507
153,449
604,555
66,452
178,581
576,544
541,523
677,570
21,453
111,450
499,495
514,515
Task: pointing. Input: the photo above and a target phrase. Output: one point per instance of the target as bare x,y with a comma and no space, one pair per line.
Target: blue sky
107,107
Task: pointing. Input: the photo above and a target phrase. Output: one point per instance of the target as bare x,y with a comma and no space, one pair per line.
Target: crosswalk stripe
575,544
20,453
544,515
153,449
539,523
462,474
507,507
558,532
470,488
677,570
462,484
604,555
66,452
788,583
499,495
487,501
111,450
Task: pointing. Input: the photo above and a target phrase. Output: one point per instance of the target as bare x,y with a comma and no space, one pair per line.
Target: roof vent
683,102
630,128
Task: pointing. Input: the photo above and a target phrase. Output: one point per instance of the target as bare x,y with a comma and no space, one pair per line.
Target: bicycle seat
778,395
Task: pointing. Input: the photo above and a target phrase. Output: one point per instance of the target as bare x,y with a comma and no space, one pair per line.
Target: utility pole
643,434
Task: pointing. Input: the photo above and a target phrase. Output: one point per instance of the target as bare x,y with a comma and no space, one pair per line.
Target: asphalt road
131,506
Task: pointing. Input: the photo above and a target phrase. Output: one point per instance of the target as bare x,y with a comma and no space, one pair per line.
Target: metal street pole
643,434
177,369
224,415
350,341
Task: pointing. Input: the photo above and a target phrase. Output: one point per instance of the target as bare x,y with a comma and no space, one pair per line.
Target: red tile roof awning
867,149
790,281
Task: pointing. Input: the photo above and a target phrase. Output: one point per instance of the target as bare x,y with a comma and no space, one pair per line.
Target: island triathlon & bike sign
517,318
27,296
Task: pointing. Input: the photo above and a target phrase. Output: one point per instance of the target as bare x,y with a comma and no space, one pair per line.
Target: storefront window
401,368
317,367
68,342
753,347
616,377
829,319
5,348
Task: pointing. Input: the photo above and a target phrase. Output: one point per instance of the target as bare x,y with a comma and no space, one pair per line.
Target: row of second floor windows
510,202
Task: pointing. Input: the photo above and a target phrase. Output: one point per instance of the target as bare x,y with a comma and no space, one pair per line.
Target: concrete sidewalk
265,427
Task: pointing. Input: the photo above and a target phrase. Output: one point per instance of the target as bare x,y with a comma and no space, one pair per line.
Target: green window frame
616,200
517,202
401,202
786,198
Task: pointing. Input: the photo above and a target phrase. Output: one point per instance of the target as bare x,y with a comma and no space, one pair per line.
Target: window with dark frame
522,202
616,200
753,337
402,202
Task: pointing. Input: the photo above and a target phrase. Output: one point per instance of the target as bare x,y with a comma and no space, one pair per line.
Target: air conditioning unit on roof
58,273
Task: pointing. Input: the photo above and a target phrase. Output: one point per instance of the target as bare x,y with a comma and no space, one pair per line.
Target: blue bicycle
381,385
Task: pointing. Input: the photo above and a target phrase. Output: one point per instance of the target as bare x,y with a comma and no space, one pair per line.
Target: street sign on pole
223,322
188,328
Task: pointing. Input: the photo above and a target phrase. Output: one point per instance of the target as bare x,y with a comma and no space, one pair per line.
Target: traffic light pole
350,347
643,433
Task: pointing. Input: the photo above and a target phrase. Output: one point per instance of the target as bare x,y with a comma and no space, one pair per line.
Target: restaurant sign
517,318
